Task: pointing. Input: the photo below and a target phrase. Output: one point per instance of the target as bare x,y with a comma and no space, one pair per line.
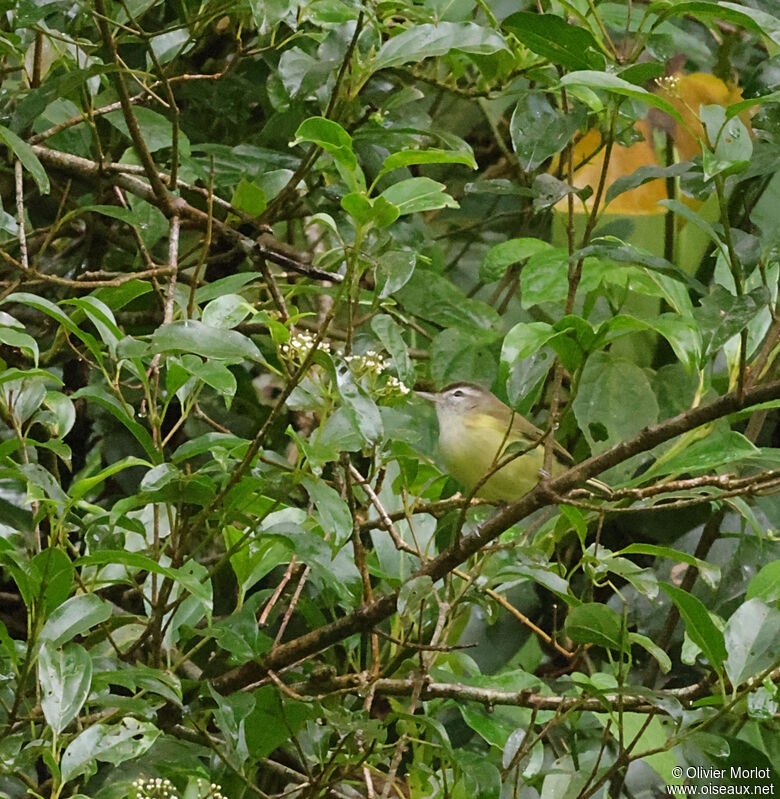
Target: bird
475,431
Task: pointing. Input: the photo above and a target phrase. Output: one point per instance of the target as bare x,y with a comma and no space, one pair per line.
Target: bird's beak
428,395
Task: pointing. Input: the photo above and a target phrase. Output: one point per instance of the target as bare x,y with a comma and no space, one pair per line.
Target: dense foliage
234,236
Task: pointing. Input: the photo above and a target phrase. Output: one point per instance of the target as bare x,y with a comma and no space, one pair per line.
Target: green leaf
614,402
730,139
86,484
413,594
752,19
393,271
615,85
15,338
157,131
135,560
707,454
643,175
359,407
112,211
427,41
73,617
451,307
110,403
208,442
682,334
264,733
550,36
213,373
332,512
700,627
101,317
594,623
226,311
622,252
681,209
28,158
391,335
366,211
208,342
332,138
722,314
41,478
114,744
513,251
540,131
414,195
751,636
458,354
249,197
60,415
53,576
766,584
405,158
66,678
650,646
50,309
709,572
527,338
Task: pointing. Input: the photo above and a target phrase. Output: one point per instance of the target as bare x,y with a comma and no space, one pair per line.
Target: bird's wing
521,426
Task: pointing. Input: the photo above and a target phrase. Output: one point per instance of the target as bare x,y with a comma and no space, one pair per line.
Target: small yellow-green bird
475,429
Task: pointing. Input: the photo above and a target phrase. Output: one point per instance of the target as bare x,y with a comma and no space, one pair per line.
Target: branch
366,617
638,702
262,248
133,128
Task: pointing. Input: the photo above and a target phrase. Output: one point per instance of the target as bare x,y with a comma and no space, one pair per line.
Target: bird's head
459,399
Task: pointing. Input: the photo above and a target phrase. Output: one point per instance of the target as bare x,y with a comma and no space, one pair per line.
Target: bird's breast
471,451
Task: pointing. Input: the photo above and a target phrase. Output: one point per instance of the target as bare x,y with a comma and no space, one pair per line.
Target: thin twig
19,180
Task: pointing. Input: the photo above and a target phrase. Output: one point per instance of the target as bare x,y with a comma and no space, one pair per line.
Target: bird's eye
458,393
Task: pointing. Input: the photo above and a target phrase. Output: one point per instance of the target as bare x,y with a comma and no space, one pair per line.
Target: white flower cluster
670,83
395,384
372,364
210,791
370,361
164,789
299,345
155,789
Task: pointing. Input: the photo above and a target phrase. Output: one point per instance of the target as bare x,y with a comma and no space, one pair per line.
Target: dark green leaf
501,256
406,158
208,342
700,627
550,36
643,175
752,19
615,85
53,573
594,623
27,156
120,412
710,573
